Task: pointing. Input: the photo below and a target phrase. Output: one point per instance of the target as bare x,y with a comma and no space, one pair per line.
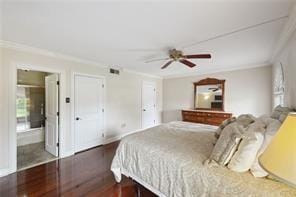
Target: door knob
144,109
77,118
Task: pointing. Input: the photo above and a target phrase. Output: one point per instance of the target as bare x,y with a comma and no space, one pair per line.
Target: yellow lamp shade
279,158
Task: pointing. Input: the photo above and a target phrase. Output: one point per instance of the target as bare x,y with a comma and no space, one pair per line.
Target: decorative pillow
273,126
245,120
223,125
227,143
283,116
278,111
275,114
246,154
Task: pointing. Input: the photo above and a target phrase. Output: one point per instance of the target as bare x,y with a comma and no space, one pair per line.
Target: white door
51,114
148,105
89,112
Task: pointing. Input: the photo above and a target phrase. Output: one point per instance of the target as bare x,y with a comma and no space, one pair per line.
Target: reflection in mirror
209,97
209,94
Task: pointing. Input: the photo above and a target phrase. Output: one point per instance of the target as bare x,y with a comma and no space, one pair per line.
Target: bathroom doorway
37,115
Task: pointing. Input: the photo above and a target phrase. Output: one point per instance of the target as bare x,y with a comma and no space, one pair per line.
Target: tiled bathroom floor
32,154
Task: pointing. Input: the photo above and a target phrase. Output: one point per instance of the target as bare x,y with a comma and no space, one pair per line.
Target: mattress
169,160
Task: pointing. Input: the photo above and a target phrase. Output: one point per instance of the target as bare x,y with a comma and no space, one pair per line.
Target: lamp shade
279,158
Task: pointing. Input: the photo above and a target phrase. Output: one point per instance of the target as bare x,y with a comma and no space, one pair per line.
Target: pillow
273,126
275,114
246,154
280,112
223,125
245,120
227,144
283,116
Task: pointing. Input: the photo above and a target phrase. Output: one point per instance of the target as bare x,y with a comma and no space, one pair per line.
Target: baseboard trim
5,172
119,137
129,133
66,154
112,139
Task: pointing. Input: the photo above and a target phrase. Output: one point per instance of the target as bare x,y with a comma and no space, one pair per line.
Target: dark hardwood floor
84,174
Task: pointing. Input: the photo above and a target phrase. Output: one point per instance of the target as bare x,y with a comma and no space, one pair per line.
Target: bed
169,161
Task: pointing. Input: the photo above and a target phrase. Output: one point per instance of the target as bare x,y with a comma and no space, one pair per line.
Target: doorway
37,117
89,112
148,104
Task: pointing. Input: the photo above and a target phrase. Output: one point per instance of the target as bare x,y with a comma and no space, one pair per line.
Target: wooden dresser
205,117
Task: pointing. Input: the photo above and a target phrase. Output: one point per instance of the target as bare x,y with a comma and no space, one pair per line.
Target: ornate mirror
209,94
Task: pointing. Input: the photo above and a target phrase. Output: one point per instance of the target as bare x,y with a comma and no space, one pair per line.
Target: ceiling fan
214,89
177,56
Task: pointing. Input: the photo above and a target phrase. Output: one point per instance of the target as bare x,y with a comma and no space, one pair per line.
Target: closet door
89,112
148,105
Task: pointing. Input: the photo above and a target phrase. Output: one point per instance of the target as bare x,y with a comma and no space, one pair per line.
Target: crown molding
142,74
214,71
35,50
286,34
125,70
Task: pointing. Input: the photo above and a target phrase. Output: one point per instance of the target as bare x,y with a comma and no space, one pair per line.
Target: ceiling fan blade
198,56
167,64
155,60
187,63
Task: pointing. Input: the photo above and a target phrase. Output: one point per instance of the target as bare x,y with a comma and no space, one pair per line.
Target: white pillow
247,151
273,126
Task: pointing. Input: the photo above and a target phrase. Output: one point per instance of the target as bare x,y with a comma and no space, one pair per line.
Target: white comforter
168,160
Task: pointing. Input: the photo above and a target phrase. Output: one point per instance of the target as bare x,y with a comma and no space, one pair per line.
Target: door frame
155,100
12,163
73,105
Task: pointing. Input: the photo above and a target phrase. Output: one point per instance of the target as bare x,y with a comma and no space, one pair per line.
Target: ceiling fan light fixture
177,55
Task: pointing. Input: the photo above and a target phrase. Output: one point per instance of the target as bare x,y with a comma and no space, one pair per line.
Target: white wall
246,91
288,59
123,97
3,114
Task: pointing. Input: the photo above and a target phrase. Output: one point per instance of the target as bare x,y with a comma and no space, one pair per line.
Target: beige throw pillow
227,143
280,113
247,151
223,125
246,119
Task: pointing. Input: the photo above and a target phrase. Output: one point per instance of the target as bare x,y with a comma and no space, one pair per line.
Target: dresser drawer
191,118
205,117
221,115
194,113
214,121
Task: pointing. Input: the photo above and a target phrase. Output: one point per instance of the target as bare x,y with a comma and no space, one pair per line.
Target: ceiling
126,34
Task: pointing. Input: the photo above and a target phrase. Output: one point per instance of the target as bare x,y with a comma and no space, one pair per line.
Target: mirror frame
209,81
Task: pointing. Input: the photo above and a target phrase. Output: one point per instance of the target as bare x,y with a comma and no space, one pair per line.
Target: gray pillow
283,116
227,144
223,125
280,113
246,119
